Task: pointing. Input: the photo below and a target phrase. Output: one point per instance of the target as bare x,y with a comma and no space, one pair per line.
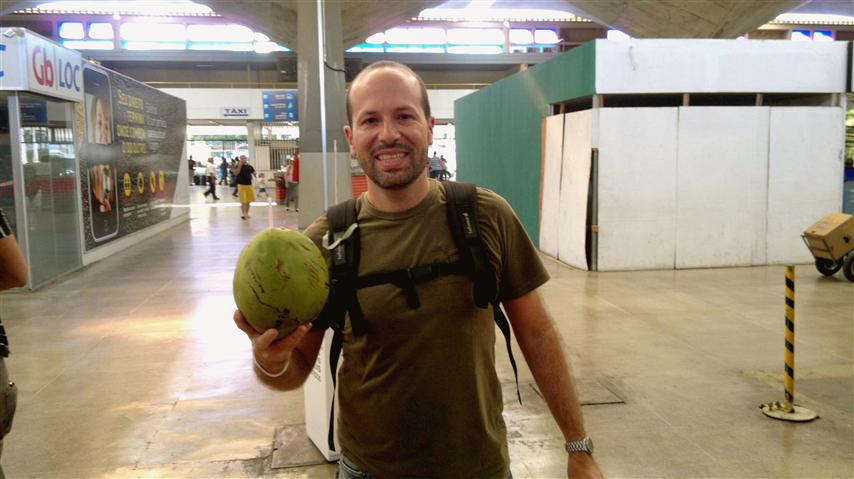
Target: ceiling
638,18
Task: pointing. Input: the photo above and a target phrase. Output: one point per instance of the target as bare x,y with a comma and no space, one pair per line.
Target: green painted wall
498,128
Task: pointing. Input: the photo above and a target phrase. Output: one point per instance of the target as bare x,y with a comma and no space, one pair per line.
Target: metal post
788,410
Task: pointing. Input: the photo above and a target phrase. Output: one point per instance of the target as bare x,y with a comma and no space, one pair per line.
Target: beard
399,178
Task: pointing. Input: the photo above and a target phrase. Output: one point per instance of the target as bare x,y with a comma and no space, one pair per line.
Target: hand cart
831,242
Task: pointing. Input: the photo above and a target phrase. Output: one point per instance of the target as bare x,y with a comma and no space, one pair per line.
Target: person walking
418,392
210,172
292,179
245,174
223,172
13,273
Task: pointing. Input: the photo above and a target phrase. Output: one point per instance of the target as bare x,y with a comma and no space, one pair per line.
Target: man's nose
389,132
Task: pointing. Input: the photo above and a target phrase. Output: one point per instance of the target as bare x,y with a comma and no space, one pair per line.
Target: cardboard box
832,237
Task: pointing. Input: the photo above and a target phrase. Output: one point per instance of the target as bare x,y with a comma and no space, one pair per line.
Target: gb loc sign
52,69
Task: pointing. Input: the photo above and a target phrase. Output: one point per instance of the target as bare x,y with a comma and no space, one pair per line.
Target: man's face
390,134
103,133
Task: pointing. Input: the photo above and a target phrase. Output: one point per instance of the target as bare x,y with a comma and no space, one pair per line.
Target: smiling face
390,132
102,124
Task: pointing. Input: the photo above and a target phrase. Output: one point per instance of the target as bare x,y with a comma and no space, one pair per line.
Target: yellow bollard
787,410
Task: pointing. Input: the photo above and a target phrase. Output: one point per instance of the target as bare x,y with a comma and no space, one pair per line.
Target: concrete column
322,113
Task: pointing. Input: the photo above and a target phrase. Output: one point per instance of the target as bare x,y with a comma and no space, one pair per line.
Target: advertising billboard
130,154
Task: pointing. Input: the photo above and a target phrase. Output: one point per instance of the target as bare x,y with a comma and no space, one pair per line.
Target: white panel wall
552,162
722,186
805,176
207,103
637,188
694,66
575,179
442,102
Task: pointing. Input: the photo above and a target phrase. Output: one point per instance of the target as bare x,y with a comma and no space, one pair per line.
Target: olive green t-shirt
419,396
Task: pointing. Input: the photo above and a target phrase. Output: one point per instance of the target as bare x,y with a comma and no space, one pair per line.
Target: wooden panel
551,180
575,179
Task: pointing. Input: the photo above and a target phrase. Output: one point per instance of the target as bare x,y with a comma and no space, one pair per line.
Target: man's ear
348,133
430,124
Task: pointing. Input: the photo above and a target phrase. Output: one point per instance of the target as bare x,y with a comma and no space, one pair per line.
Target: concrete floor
132,367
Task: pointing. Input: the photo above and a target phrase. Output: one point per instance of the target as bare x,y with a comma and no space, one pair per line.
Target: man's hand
270,354
581,465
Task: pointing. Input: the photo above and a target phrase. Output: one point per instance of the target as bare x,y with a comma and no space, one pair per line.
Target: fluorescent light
813,18
71,30
219,33
260,37
545,36
476,36
376,38
101,31
800,35
153,32
617,35
89,44
521,36
822,36
415,36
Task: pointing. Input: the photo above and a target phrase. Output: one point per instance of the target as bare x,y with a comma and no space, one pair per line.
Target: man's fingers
243,325
290,341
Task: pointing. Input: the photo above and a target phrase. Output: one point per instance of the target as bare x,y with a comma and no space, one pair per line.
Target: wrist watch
584,445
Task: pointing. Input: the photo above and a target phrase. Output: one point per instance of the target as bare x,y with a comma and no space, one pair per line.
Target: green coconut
280,281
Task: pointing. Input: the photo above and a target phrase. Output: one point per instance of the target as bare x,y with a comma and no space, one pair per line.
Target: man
13,273
210,172
418,393
292,179
436,166
191,164
244,173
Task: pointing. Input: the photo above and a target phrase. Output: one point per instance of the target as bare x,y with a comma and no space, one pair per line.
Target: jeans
348,470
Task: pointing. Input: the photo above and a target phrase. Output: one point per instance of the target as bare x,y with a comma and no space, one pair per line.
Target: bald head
388,64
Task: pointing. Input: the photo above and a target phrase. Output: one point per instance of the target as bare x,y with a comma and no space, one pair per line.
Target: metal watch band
584,445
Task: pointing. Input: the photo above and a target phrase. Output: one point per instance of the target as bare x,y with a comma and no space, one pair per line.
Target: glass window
50,186
101,31
71,30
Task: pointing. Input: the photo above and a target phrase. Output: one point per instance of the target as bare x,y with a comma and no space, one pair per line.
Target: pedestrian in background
210,172
292,178
245,175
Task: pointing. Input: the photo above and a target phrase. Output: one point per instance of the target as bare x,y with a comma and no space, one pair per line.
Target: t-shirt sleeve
520,269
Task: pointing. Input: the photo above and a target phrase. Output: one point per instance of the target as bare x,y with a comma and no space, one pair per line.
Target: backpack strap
342,240
464,221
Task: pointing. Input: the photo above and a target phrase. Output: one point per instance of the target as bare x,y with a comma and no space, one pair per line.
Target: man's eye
369,121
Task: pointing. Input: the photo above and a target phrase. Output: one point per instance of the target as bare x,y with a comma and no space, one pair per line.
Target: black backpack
342,240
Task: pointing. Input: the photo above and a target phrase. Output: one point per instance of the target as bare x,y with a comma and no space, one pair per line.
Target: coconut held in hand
281,281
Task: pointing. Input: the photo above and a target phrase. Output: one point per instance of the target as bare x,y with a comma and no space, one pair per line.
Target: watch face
588,443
